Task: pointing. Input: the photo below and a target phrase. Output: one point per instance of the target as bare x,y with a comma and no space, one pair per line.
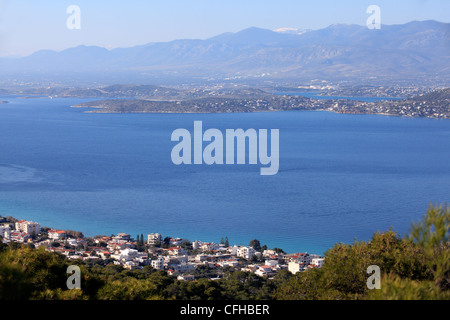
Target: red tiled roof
56,231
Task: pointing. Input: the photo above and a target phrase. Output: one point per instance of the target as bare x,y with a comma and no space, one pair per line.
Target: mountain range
416,51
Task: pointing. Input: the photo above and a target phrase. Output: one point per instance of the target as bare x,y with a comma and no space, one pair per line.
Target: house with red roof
56,234
176,251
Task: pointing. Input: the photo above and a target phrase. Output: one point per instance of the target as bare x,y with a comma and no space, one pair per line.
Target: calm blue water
341,176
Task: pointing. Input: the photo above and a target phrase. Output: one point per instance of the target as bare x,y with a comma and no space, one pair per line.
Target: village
178,257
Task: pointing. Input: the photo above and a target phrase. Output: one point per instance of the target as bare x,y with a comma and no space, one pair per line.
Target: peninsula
430,102
433,104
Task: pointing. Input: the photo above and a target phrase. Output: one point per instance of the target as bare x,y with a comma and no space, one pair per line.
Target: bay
341,176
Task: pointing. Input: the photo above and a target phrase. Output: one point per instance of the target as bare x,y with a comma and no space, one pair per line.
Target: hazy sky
28,26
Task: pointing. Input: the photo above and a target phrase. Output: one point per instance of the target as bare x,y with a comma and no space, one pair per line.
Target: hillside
439,97
414,51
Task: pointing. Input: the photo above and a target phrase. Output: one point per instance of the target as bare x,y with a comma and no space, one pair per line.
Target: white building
18,236
28,227
271,263
185,277
201,257
300,258
183,267
245,252
263,271
233,250
128,254
158,264
318,262
196,245
5,232
154,239
56,234
122,236
268,253
175,241
72,242
130,265
228,263
119,245
176,251
295,267
170,261
104,254
209,246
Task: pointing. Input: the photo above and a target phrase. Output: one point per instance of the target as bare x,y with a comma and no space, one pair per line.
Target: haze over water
341,176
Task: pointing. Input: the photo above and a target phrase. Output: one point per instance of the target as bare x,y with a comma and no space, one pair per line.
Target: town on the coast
178,257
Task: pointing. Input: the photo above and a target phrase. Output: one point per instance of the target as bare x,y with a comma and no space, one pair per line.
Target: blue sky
28,26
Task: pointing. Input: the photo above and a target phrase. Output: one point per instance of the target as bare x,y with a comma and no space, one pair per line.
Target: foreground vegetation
413,267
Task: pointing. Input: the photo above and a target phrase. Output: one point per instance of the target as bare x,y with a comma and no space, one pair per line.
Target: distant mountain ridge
407,51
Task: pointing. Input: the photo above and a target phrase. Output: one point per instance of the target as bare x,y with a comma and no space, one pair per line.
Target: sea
342,177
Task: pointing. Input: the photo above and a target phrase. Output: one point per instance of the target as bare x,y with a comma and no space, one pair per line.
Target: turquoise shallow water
341,176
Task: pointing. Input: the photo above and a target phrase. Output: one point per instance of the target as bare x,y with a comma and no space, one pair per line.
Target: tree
226,243
102,244
186,245
74,234
255,244
55,244
432,235
25,272
140,244
129,289
3,246
307,285
11,219
414,267
166,242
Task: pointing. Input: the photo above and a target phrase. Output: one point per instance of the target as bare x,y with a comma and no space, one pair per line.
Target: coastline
90,235
433,104
92,229
252,111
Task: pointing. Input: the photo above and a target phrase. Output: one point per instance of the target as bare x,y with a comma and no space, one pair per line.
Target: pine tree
227,243
255,244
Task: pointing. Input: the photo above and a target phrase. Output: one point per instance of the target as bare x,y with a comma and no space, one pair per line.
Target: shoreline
409,108
89,235
62,224
256,111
